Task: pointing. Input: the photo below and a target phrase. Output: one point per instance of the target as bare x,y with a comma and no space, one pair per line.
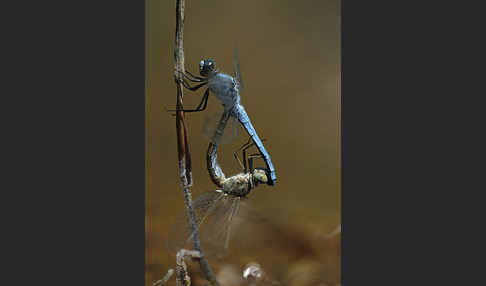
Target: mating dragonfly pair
216,210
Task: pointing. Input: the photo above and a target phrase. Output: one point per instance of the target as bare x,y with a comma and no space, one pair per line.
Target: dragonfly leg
246,145
251,156
192,77
202,105
195,76
189,76
243,148
194,80
193,88
250,160
243,166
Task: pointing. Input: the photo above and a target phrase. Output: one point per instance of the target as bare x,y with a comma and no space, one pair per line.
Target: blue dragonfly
215,172
220,212
227,90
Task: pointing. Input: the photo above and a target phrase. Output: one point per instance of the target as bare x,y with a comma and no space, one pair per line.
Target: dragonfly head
207,67
260,176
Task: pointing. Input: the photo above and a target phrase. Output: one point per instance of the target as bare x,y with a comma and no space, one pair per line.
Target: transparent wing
230,130
233,227
216,232
237,71
249,231
218,216
180,235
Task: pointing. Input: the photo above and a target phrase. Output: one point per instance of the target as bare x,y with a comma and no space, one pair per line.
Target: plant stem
184,156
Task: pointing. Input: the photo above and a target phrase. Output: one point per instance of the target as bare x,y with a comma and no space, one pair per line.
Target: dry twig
182,278
184,156
165,278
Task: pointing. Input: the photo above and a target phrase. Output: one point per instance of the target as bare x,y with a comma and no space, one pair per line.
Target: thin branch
165,278
182,278
184,156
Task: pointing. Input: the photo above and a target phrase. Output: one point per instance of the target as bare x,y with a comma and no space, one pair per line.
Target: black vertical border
75,110
404,141
372,122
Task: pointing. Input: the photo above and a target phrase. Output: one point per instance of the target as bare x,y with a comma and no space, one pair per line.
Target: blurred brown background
289,54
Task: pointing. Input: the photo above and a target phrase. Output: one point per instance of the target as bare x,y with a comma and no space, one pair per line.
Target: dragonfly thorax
240,185
237,185
225,89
